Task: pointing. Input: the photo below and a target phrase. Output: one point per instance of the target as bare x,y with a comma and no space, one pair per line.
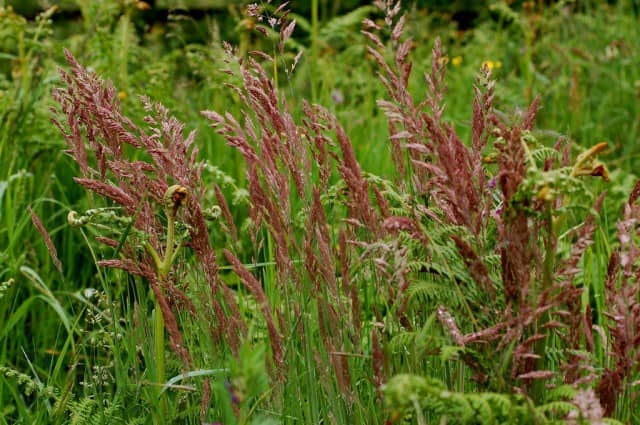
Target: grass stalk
315,26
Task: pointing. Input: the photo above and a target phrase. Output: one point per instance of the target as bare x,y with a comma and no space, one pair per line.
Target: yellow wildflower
456,60
122,95
545,194
492,64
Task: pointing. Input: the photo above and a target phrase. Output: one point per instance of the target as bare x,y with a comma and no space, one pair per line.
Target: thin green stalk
158,333
538,386
314,47
165,266
123,50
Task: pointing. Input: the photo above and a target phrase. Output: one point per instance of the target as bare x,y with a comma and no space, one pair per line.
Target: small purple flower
492,183
337,97
232,392
498,212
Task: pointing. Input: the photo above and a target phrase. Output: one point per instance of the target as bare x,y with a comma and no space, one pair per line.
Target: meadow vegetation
362,216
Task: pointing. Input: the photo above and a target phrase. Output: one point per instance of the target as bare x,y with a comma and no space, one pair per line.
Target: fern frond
542,153
432,293
403,343
563,392
82,411
88,411
482,407
556,409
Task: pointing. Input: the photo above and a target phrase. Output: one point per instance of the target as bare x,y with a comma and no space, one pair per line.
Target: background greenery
66,336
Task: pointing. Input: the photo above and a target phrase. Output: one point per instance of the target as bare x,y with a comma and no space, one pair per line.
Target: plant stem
159,343
163,273
314,47
162,269
538,388
165,266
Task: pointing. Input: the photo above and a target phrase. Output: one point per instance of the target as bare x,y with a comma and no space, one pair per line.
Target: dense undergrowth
390,220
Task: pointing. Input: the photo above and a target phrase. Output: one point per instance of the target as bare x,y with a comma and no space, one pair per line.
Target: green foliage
245,390
66,346
429,400
90,411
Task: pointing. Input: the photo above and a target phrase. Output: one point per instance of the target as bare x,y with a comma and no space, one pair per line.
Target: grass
404,253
